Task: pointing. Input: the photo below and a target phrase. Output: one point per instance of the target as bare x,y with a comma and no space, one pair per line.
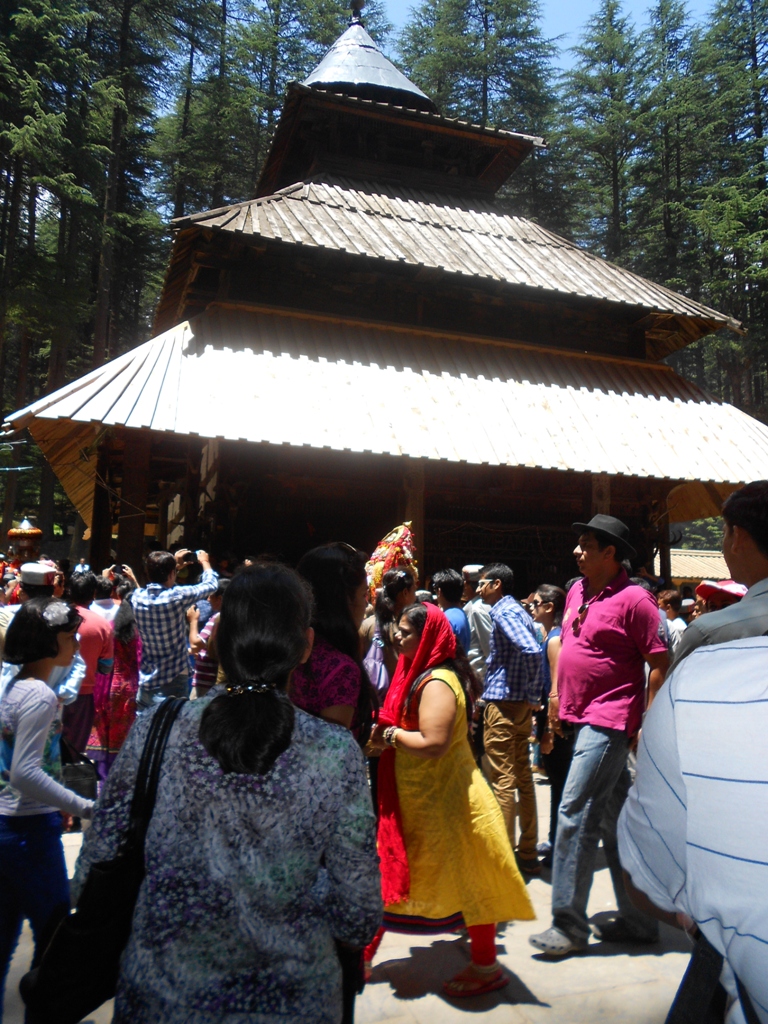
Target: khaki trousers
507,765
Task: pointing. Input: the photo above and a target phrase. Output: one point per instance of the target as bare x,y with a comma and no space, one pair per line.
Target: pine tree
731,203
674,137
601,108
212,146
488,62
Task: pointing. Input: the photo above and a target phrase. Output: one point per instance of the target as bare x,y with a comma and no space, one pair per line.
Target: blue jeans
33,883
178,687
595,791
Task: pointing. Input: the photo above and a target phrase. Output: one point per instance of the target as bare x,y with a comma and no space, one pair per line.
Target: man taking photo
160,609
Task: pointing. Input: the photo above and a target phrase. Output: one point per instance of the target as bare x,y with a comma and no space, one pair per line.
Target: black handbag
78,772
79,968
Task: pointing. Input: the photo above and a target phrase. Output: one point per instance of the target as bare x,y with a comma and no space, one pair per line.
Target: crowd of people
356,757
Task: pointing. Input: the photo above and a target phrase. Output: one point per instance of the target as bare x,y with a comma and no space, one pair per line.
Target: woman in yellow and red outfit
446,860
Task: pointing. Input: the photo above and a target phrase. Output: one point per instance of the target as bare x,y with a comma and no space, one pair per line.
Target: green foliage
487,61
699,535
600,98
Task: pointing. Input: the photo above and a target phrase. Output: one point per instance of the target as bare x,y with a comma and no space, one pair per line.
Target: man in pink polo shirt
611,630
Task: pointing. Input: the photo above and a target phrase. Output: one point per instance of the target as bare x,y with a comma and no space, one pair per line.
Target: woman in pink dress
114,695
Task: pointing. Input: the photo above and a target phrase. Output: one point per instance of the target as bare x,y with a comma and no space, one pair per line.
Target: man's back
694,830
747,618
96,645
161,619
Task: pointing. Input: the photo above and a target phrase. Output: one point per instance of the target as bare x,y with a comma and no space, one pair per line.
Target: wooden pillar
133,499
601,494
413,484
665,557
101,521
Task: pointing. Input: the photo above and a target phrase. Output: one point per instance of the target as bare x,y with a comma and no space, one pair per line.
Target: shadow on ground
425,970
671,940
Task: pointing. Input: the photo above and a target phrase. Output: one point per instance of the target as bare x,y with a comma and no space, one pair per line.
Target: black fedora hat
611,527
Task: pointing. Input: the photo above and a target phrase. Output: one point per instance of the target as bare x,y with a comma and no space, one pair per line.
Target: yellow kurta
459,854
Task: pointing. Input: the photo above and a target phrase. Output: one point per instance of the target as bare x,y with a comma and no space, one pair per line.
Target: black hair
747,508
124,624
121,585
671,597
572,582
159,566
31,636
450,582
499,571
604,540
82,587
223,584
416,614
393,582
335,572
36,589
641,581
103,588
550,594
265,615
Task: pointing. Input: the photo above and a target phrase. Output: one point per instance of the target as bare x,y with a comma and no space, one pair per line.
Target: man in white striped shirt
693,833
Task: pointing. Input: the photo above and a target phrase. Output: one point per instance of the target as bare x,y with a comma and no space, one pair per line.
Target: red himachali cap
709,588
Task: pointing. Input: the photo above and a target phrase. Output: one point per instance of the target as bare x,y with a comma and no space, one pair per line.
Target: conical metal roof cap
355,66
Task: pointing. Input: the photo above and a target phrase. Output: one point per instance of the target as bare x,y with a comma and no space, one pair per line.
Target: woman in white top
33,874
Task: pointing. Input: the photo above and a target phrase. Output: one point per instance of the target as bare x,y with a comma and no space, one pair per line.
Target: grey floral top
249,878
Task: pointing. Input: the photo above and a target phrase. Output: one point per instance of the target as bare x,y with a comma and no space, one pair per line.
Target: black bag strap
148,775
701,998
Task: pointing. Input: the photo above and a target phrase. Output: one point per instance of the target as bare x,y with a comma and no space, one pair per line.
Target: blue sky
564,18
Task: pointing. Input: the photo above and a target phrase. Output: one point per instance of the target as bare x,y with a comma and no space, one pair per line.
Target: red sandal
476,981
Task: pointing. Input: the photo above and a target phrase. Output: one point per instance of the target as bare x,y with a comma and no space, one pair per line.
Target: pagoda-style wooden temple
371,338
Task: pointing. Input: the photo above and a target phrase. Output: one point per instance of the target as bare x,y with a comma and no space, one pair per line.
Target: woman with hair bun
261,852
33,874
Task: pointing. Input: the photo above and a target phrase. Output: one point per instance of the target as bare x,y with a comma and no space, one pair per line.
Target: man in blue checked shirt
512,692
161,615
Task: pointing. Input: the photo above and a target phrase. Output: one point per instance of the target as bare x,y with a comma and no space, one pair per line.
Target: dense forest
118,115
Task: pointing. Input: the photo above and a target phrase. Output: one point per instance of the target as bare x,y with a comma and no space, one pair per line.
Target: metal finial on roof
355,66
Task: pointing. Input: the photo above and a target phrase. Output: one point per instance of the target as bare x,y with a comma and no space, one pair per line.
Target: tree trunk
217,187
6,281
17,458
46,508
180,197
107,253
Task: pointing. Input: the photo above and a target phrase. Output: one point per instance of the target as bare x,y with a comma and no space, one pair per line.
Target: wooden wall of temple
253,499
233,271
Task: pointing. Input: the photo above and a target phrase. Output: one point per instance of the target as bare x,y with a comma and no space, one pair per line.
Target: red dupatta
437,644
